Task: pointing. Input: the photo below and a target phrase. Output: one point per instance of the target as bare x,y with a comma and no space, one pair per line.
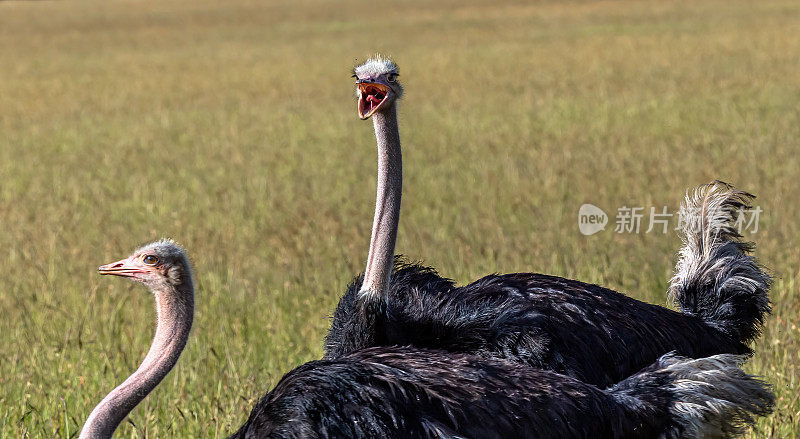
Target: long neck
387,206
175,313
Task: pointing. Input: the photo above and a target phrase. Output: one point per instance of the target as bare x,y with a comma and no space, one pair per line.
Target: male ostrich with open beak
586,331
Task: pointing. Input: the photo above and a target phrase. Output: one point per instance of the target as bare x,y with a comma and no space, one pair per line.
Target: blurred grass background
231,127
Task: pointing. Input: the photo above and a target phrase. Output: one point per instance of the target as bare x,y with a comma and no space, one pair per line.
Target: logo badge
591,219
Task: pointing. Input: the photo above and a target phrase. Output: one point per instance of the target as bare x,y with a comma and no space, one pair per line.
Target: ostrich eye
392,77
150,260
354,76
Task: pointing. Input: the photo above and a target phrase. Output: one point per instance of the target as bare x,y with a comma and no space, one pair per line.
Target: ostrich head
161,266
376,85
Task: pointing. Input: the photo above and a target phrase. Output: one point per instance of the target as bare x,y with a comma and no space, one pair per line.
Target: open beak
371,97
120,268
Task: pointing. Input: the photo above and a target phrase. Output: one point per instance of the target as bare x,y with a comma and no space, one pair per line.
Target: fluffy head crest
376,65
173,257
166,248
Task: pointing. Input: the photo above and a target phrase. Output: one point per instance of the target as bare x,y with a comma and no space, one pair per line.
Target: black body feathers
586,331
413,393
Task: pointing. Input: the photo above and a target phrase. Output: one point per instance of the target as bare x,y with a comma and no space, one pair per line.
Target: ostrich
163,267
404,392
407,392
582,330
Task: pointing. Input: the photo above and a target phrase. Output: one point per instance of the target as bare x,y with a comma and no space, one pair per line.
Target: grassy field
231,127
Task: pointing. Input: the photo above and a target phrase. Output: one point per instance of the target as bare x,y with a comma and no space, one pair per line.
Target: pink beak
120,268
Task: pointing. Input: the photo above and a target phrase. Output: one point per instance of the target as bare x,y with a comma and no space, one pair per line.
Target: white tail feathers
704,398
714,398
716,278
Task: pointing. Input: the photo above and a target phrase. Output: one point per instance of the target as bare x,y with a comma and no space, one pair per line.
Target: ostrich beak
120,268
371,97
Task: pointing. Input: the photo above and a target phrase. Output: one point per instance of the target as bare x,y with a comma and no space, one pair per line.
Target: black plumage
411,393
478,381
586,331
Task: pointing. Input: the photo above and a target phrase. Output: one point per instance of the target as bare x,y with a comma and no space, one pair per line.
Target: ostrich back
412,393
582,330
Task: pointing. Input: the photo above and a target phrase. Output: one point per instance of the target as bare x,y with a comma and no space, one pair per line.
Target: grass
231,126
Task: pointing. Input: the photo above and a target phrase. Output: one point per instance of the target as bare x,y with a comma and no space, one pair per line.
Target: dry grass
231,127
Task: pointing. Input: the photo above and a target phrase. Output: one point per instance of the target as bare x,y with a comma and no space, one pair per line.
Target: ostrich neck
380,259
175,312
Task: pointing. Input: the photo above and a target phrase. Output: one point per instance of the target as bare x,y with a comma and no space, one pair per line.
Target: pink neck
380,260
175,313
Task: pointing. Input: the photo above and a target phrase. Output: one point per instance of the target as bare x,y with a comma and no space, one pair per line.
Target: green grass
231,127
